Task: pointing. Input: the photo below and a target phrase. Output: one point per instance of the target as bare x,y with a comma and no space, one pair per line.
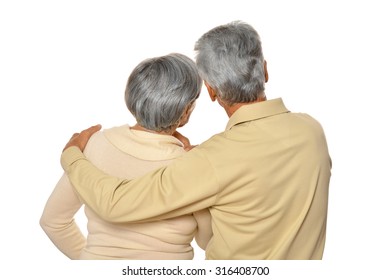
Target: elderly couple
258,190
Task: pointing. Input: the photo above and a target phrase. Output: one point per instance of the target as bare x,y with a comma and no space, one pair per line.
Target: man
265,178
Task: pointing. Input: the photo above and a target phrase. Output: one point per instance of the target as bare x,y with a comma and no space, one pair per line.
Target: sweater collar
144,145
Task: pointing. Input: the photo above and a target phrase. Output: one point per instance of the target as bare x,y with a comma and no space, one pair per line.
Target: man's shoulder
307,119
215,140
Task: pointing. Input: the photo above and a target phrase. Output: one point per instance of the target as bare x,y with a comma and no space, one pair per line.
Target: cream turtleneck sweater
125,153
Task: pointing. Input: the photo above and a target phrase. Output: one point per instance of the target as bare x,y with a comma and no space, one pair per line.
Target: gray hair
230,59
160,89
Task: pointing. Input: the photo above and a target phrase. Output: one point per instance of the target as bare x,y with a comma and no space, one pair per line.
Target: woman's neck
141,128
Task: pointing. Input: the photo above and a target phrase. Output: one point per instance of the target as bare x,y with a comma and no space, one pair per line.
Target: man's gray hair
230,59
159,90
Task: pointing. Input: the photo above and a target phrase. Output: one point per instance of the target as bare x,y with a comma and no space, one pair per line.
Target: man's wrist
69,156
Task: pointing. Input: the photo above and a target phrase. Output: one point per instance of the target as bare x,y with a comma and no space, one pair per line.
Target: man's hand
81,139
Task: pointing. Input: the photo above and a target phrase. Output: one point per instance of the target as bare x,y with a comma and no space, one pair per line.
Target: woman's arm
186,142
204,232
58,222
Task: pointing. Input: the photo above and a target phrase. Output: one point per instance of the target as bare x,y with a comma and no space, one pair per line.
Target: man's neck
230,110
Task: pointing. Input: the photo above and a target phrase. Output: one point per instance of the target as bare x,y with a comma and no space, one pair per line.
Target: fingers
80,140
189,148
91,130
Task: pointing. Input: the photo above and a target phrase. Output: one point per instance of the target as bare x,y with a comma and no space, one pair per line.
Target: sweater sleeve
204,232
58,222
186,186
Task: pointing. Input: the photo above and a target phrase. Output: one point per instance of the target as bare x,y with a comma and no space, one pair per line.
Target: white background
64,66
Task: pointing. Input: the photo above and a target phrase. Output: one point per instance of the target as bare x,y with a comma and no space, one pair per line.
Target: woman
161,94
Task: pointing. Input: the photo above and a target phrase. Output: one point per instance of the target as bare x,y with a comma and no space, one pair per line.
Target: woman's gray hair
230,59
160,89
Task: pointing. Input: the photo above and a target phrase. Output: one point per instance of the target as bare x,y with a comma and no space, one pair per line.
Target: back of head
160,89
230,59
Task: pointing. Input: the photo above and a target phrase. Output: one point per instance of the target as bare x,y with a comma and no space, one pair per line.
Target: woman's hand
184,140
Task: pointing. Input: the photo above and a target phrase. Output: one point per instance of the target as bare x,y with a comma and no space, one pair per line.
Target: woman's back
128,153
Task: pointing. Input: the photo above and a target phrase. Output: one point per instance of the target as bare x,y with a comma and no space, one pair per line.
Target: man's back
273,169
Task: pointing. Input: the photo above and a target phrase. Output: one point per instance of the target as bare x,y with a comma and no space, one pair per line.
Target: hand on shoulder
80,140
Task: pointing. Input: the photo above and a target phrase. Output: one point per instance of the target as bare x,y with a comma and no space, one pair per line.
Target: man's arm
186,186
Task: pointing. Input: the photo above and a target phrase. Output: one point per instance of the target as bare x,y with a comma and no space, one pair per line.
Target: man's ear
265,71
211,91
